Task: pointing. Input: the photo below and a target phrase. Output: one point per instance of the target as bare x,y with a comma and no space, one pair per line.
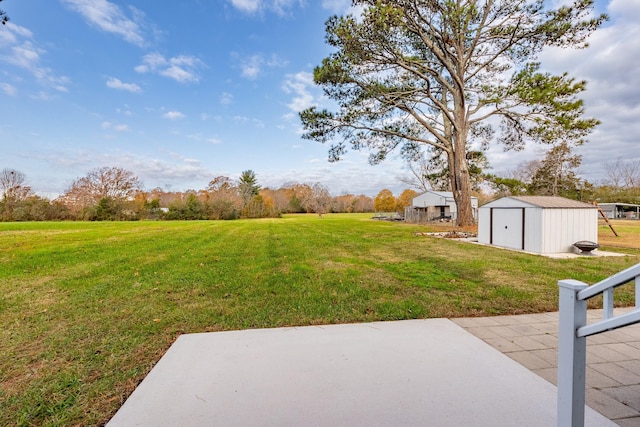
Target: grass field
86,309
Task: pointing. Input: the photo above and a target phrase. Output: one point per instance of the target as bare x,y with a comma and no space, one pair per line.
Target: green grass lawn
86,309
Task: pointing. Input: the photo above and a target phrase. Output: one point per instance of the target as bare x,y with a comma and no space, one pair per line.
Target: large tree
441,72
112,184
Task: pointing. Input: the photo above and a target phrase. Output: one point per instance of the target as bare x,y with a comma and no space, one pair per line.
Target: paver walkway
613,358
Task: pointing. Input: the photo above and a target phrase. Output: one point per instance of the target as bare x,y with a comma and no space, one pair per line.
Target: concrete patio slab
414,372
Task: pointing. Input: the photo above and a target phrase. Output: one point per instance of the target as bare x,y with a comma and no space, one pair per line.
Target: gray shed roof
553,202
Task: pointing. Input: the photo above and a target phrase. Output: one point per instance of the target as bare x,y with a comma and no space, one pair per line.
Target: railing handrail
573,331
610,324
610,282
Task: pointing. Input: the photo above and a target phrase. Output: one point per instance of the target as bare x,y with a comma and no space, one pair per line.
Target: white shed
433,205
538,224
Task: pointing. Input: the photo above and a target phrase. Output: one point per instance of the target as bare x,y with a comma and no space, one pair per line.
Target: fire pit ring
586,246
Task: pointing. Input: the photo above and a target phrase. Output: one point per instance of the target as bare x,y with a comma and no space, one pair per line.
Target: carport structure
620,210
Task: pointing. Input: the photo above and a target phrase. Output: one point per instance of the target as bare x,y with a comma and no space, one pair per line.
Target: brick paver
613,358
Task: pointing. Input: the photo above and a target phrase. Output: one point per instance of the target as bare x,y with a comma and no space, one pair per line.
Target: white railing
573,331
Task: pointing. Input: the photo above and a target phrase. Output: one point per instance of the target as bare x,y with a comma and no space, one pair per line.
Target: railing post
607,304
637,291
571,355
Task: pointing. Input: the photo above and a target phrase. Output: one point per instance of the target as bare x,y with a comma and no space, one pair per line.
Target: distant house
538,224
435,206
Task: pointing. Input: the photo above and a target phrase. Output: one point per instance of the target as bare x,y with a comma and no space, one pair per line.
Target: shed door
507,227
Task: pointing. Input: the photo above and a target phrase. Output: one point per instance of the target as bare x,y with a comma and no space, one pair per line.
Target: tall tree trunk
458,166
461,187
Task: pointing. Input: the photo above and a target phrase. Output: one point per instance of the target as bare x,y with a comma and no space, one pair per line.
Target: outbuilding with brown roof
539,224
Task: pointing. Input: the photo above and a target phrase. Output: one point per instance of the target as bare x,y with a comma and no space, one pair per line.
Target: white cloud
10,36
18,49
342,7
114,83
126,111
280,7
182,69
199,137
173,115
252,66
249,6
241,119
246,120
206,116
41,96
298,84
110,18
115,126
336,6
8,89
26,55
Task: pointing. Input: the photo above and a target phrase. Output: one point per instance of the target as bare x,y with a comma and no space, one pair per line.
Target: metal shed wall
483,225
561,228
542,229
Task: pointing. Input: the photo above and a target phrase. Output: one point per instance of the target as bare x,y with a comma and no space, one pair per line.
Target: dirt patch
450,234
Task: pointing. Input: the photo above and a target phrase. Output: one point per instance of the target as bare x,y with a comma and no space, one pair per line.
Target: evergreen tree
410,73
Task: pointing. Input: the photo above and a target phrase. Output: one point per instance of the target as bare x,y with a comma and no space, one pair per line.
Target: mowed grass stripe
87,308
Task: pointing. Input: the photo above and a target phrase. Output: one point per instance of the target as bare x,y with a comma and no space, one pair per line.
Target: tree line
112,193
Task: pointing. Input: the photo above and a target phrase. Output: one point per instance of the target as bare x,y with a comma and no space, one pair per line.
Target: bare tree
417,177
101,183
12,185
318,200
623,173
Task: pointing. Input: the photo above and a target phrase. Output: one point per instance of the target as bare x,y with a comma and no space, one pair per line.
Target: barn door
507,227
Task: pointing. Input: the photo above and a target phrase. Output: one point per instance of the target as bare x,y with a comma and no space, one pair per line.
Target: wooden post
606,219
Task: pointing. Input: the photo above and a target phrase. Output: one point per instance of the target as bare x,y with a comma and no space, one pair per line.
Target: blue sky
181,93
